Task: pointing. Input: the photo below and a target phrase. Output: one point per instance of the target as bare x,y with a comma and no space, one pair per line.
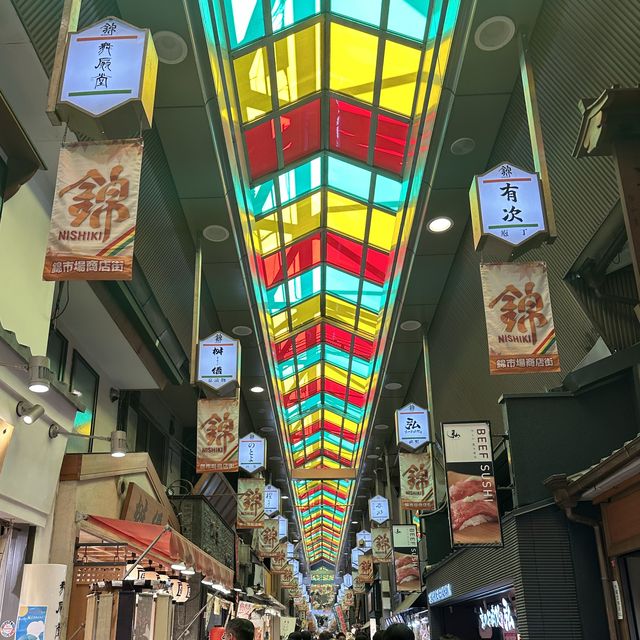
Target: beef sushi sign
405,557
471,485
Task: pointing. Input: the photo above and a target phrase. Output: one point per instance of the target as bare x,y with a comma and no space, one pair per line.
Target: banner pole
195,323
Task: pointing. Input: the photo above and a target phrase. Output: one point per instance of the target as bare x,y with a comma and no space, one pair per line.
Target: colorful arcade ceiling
327,110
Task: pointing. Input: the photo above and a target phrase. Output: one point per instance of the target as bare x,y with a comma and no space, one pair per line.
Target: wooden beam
323,474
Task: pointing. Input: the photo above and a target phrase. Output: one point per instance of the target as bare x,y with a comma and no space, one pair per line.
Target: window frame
75,358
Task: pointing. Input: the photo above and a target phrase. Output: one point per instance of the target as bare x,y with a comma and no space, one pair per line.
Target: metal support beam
195,323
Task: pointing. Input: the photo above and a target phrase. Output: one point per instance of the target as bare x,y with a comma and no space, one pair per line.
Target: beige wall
25,300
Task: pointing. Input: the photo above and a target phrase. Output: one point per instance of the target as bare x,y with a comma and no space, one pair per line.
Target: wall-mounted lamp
117,439
28,412
39,370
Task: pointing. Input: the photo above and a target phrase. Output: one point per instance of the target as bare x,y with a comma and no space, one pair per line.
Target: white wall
25,300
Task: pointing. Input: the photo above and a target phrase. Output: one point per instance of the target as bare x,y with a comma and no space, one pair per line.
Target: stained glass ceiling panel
325,106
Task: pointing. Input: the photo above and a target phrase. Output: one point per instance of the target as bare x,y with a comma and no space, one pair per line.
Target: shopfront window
3,182
57,353
151,439
84,384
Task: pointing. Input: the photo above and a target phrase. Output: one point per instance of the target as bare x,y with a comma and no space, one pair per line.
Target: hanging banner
348,598
416,481
358,584
405,557
378,509
279,558
268,538
219,361
356,552
250,503
471,485
95,207
412,426
381,544
365,568
271,500
217,439
520,329
252,454
363,540
288,579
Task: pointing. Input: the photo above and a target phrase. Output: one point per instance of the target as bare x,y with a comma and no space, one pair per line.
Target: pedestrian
398,631
239,629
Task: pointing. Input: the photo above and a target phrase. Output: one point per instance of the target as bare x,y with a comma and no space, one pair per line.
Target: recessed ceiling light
494,33
257,389
462,146
354,522
284,497
372,456
440,224
392,386
410,325
274,458
381,427
215,233
267,430
241,330
170,47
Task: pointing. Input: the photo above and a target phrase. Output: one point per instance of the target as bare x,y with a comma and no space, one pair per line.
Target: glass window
408,18
391,139
261,149
262,198
349,128
346,177
300,180
298,59
348,217
244,21
57,353
353,62
83,383
399,77
254,84
387,193
367,11
300,131
285,13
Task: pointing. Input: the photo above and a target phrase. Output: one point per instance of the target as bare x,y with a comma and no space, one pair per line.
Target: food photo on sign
405,558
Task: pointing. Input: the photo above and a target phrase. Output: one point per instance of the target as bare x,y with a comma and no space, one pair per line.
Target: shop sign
139,506
365,568
618,599
219,361
250,503
412,426
217,438
291,550
94,213
405,558
507,210
439,594
271,500
497,616
355,554
252,453
416,481
108,79
348,580
363,539
471,486
268,538
378,509
283,527
381,544
520,329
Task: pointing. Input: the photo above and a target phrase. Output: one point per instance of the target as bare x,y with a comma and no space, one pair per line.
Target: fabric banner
381,544
406,561
358,583
218,422
471,485
250,503
95,207
288,579
279,558
416,481
520,329
348,598
268,538
365,567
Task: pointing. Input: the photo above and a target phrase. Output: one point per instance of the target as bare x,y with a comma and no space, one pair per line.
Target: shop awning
171,547
412,601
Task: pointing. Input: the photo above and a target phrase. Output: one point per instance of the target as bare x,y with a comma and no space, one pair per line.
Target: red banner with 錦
95,207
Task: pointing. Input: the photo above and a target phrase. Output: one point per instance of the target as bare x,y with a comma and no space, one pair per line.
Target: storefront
605,500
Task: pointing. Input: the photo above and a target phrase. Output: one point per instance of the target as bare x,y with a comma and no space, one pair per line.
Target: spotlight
118,444
257,389
39,374
179,566
208,582
29,412
189,571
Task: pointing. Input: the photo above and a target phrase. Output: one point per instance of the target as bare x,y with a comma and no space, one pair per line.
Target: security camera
114,394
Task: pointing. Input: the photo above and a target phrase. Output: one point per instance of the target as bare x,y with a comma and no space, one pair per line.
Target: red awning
171,546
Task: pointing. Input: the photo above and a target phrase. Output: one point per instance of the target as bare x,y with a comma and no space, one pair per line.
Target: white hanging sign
363,540
412,426
378,509
355,554
290,550
283,527
252,453
219,360
271,500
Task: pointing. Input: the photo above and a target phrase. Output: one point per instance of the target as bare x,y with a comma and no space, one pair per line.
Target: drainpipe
602,564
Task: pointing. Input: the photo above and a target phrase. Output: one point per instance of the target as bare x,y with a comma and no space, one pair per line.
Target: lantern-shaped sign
412,426
271,500
219,361
378,509
252,453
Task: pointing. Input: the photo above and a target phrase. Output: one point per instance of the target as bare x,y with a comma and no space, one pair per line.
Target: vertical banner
279,558
217,437
358,584
416,481
405,557
268,538
471,485
95,206
250,503
381,544
520,329
365,567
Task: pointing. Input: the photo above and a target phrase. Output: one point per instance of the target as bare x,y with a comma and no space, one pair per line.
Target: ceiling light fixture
392,386
285,497
267,430
242,330
215,233
381,427
28,412
257,389
494,33
410,325
440,224
170,47
462,146
39,374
